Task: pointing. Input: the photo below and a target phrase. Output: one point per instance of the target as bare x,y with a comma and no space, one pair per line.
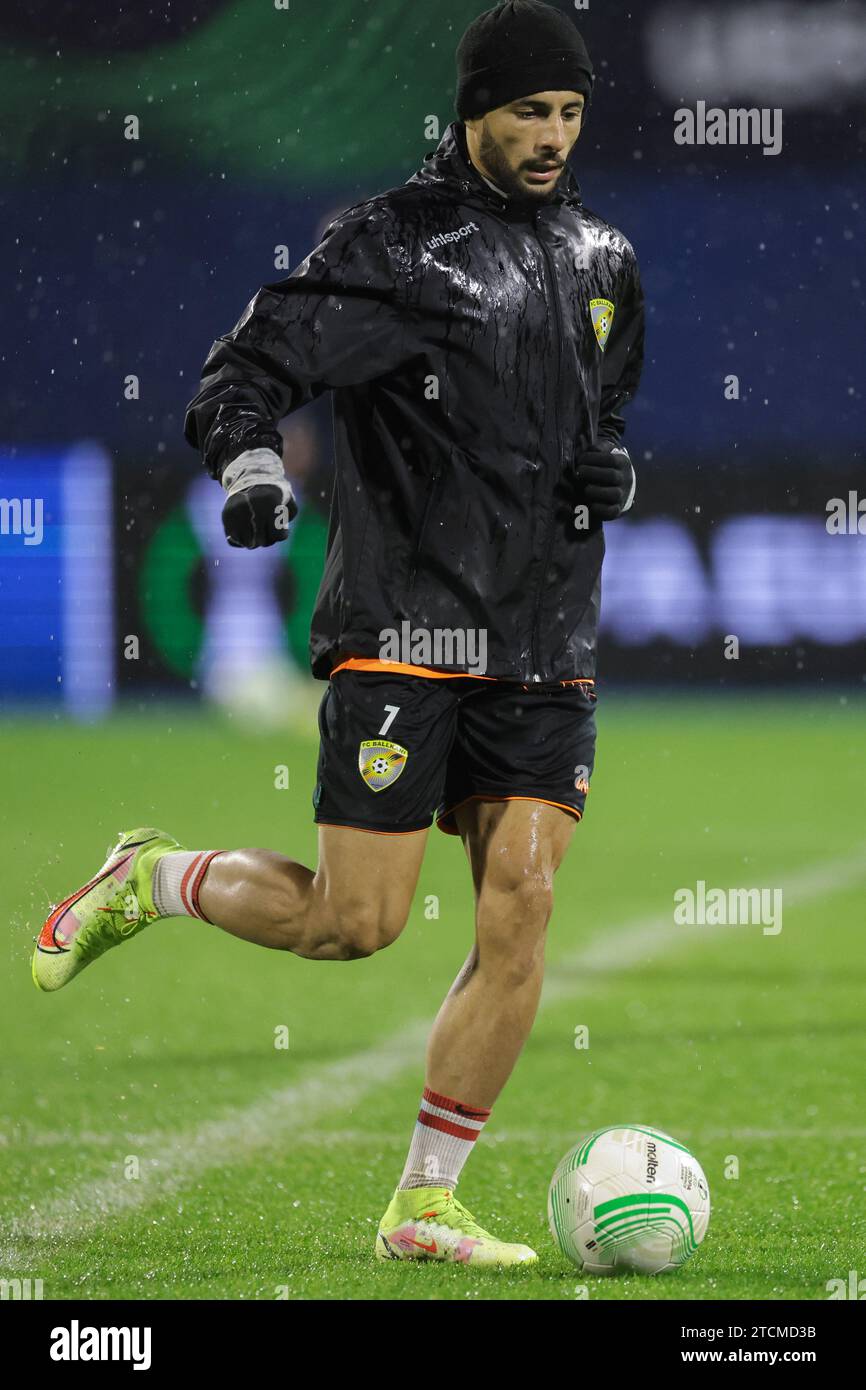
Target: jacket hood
449,167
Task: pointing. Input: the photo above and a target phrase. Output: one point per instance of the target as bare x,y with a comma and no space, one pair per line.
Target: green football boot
115,904
428,1223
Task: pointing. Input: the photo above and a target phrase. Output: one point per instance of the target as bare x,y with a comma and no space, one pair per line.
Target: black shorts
398,750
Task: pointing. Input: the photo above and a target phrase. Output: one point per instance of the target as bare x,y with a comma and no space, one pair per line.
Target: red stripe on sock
183,885
447,1126
197,883
471,1112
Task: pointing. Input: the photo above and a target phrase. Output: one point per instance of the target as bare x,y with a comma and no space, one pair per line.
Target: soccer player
480,330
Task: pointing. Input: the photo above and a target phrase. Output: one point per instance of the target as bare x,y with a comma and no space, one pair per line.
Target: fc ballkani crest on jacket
602,312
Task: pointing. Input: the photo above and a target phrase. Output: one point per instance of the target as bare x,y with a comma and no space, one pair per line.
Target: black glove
607,481
260,502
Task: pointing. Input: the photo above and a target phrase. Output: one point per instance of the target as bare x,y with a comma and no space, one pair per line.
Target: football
628,1197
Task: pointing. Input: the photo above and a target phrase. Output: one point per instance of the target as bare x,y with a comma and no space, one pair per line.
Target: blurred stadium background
128,257
130,630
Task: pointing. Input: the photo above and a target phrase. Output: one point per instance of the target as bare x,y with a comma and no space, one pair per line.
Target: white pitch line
176,1161
365,1138
647,938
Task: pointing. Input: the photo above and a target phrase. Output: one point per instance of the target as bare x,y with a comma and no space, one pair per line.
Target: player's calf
351,928
344,911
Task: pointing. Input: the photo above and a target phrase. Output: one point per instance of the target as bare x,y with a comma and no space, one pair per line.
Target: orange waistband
402,668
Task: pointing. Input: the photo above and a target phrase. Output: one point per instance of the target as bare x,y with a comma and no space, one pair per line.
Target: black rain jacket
455,330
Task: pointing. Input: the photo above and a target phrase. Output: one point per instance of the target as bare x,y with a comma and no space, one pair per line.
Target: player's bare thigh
515,847
364,885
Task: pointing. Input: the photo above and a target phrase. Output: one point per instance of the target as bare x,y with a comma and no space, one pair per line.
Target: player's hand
259,500
607,481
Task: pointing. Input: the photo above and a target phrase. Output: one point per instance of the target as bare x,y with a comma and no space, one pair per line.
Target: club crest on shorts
380,763
602,312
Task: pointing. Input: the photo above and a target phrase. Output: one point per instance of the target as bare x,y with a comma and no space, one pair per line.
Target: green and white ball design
628,1197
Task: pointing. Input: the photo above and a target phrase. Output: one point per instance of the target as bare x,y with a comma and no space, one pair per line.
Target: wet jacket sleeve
338,320
624,354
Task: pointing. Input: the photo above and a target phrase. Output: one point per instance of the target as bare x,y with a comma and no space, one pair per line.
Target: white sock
445,1132
177,880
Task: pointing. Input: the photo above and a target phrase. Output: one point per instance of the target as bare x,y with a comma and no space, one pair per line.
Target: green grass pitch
154,1143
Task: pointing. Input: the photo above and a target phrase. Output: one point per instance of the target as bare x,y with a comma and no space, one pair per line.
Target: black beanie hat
520,47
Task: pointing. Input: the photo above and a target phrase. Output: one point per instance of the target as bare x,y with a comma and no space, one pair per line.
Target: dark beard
500,174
